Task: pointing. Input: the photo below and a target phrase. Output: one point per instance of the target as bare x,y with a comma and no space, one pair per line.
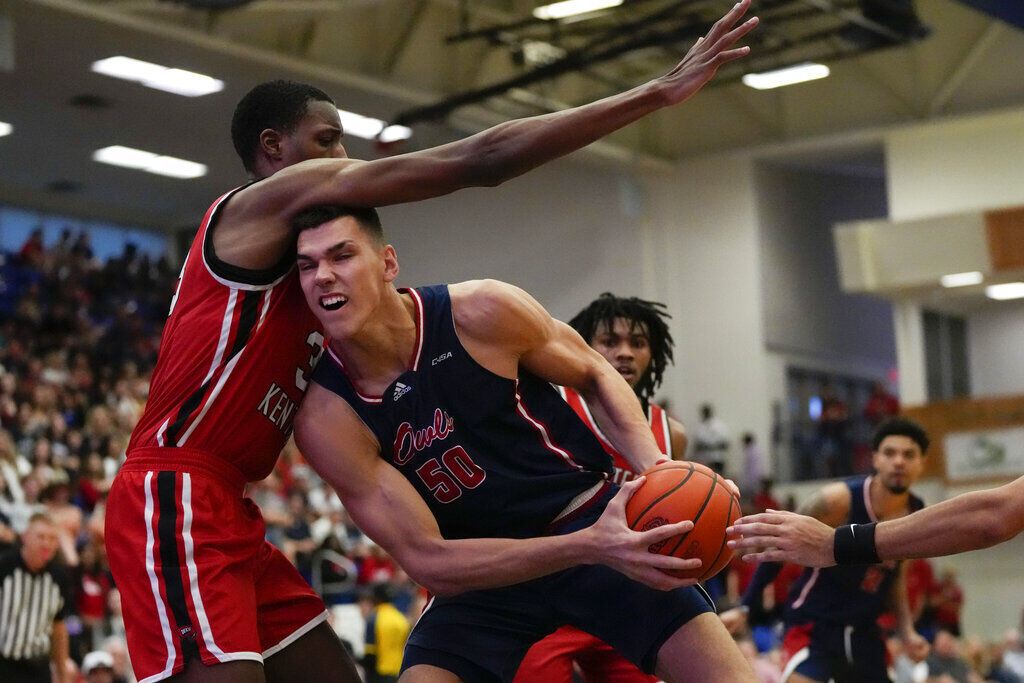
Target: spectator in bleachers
98,667
753,465
1013,653
386,632
711,440
116,647
921,590
833,454
31,252
947,601
945,663
881,404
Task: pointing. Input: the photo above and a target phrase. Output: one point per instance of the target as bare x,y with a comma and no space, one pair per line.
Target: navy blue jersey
849,594
491,456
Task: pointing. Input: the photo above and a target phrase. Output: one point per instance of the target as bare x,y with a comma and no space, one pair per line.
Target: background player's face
898,462
318,136
343,273
625,346
39,544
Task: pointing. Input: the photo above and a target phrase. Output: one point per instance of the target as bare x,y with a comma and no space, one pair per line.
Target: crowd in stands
78,343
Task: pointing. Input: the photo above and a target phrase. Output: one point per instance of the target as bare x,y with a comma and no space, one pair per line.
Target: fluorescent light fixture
787,76
395,133
1010,290
570,8
962,279
359,125
148,161
369,128
177,81
5,129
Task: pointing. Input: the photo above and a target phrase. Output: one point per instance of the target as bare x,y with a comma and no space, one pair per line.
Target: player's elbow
426,565
434,579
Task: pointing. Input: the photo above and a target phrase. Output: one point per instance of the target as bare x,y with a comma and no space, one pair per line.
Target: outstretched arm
970,521
261,212
390,511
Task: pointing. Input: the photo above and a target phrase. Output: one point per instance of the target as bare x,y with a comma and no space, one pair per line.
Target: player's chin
898,487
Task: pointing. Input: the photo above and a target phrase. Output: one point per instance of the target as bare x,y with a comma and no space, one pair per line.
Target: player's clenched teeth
332,302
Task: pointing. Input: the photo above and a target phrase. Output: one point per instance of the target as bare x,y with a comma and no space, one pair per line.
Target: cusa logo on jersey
409,441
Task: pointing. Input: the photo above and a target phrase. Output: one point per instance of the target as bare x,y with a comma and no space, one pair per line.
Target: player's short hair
647,317
315,216
278,105
900,426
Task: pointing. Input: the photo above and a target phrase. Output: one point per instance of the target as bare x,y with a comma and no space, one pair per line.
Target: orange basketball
676,491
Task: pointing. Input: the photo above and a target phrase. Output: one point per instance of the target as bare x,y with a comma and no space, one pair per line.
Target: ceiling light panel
570,8
5,129
140,160
788,76
369,128
962,279
1010,290
177,81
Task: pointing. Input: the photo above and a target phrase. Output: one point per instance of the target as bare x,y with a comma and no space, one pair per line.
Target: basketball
676,491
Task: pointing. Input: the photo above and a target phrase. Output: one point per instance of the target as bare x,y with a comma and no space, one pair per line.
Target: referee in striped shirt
34,599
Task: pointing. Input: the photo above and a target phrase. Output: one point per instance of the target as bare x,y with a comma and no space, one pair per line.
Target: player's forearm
447,567
970,521
60,651
513,148
621,418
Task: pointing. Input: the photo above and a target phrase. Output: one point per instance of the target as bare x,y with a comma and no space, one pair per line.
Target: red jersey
235,358
657,418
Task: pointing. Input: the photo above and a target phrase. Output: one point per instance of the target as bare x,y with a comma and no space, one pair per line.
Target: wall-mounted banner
985,453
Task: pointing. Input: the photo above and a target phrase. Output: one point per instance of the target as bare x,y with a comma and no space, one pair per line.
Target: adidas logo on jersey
401,390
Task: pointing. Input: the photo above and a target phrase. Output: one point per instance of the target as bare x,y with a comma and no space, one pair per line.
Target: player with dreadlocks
632,334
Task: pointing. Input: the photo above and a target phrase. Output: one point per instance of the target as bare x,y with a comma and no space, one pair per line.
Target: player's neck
382,348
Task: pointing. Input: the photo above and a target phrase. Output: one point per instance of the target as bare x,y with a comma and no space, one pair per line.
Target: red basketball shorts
195,574
550,660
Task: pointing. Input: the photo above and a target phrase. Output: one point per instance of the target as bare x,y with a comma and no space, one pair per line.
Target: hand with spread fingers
627,551
779,536
708,54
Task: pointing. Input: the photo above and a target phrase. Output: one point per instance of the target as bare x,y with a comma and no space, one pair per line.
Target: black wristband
855,544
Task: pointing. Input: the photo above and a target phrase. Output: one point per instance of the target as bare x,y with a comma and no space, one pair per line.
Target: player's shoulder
493,312
836,492
481,302
481,291
829,504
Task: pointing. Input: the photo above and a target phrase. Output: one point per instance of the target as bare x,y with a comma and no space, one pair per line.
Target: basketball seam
721,549
663,496
696,517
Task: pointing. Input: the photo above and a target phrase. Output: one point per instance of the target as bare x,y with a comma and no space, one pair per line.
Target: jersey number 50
450,477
